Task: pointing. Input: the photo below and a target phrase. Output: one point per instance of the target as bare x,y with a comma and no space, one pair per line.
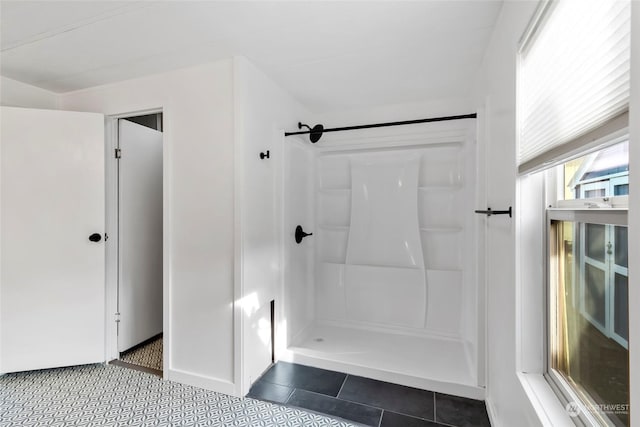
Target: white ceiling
328,54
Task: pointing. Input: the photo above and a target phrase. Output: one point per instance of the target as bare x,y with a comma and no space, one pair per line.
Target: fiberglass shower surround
385,287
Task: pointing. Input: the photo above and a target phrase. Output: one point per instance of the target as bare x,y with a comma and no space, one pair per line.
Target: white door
140,233
52,281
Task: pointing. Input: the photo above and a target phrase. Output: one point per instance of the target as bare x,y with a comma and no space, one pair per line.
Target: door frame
111,220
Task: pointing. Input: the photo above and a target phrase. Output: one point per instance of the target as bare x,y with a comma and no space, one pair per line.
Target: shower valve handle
300,234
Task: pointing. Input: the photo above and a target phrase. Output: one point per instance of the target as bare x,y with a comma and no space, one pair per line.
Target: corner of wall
14,93
195,380
199,135
261,110
495,88
239,90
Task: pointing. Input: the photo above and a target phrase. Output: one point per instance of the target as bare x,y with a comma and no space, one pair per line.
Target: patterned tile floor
148,355
106,395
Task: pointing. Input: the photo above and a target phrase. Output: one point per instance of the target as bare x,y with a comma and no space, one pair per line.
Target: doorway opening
139,290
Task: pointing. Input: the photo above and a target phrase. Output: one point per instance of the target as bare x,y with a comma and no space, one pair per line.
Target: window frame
609,270
553,173
565,391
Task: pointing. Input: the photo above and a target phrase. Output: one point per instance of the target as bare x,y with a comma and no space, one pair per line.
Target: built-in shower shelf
374,265
333,262
333,227
437,229
442,187
334,190
435,270
445,270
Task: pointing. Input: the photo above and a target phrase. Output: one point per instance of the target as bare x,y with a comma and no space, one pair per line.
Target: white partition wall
298,261
198,212
394,290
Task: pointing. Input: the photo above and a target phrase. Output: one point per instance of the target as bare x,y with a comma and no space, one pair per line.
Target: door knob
95,237
300,234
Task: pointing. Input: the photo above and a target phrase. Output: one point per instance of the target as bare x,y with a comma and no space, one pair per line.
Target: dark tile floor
365,401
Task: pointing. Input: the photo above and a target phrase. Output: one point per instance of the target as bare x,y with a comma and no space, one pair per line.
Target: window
573,101
588,286
604,173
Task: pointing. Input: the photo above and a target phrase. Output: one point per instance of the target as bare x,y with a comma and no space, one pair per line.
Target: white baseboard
207,383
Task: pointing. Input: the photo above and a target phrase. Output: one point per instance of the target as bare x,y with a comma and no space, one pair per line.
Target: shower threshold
429,363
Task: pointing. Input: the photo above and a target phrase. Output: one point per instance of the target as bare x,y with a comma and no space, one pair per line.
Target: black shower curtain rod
317,131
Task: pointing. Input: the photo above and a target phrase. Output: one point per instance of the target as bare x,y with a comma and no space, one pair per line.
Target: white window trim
608,178
563,390
594,203
551,411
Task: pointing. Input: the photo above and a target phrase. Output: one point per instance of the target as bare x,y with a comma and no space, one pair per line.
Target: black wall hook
264,155
300,234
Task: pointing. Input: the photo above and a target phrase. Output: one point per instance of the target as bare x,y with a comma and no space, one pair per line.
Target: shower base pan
434,364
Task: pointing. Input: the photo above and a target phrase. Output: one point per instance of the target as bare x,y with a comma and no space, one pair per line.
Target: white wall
395,112
213,258
17,94
199,211
263,110
299,297
496,94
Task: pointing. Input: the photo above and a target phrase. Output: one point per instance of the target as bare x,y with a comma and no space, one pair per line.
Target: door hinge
118,153
117,317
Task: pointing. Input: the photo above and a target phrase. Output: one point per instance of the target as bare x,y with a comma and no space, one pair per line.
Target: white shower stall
386,286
